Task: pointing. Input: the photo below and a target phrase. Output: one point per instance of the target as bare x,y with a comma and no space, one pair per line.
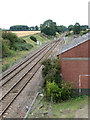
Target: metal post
80,82
79,85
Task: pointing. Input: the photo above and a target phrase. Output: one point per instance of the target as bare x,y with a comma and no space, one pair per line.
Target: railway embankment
16,80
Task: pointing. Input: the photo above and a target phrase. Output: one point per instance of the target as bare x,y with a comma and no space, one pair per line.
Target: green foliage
11,43
19,28
22,46
76,28
84,27
61,29
33,38
68,34
53,84
5,67
66,92
84,32
57,34
36,27
5,50
70,27
52,89
48,27
11,37
51,66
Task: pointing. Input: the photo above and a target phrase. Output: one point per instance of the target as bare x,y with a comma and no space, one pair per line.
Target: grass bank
73,108
18,55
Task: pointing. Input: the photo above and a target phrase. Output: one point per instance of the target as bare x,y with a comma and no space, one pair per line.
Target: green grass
39,38
65,109
18,55
9,61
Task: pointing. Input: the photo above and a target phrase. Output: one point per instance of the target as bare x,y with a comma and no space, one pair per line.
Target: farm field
24,33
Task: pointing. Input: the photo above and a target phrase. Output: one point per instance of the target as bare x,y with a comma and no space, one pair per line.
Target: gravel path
18,107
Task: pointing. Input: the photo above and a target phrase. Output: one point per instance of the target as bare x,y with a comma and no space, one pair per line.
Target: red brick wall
79,51
71,69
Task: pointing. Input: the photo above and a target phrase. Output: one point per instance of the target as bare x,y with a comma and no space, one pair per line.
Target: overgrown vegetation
84,32
50,28
68,34
12,55
33,38
74,108
11,43
53,83
76,28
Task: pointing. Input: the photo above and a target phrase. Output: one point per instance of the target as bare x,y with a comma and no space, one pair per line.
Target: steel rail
23,66
20,79
20,63
24,85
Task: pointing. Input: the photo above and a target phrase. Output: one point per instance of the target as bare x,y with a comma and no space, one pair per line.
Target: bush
15,42
58,94
11,37
5,50
66,90
51,66
52,89
22,46
53,83
5,67
84,32
33,38
68,34
20,40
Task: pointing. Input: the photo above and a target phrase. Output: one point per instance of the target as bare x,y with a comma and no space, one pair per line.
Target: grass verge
9,61
76,107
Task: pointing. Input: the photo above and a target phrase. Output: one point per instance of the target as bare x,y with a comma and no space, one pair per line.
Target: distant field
24,33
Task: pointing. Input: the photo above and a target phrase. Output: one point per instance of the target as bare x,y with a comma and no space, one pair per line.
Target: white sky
35,12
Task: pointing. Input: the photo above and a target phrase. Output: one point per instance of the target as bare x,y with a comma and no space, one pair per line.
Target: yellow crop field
24,33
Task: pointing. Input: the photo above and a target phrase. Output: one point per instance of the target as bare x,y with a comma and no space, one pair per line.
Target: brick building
74,62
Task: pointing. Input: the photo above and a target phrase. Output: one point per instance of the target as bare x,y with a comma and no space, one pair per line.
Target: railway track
15,80
19,76
19,69
15,67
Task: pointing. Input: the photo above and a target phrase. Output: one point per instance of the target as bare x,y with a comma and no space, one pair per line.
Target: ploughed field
24,33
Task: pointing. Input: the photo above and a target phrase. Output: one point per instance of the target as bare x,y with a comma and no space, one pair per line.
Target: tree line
50,28
23,28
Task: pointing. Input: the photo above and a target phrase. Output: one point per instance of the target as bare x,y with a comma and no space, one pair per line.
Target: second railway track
11,91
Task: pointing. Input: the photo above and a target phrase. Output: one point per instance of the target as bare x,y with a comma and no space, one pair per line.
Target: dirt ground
82,113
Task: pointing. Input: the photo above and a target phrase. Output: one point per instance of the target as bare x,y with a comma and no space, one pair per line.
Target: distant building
74,62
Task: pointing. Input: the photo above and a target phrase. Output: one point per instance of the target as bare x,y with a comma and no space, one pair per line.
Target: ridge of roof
75,42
